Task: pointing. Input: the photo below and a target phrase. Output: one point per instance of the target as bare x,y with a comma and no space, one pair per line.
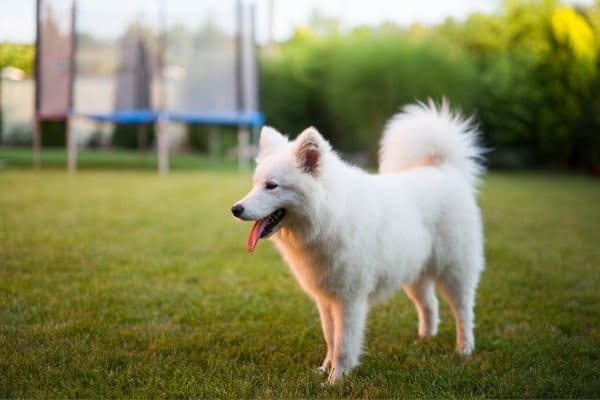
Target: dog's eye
271,185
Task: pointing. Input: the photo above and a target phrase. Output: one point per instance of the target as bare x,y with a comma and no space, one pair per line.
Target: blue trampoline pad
123,117
242,118
147,116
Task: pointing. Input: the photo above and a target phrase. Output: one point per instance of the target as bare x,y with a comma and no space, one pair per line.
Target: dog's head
285,180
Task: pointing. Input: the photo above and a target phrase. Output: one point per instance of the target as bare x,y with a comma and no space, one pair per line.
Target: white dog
353,238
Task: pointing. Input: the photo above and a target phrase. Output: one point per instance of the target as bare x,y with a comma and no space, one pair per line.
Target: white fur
352,238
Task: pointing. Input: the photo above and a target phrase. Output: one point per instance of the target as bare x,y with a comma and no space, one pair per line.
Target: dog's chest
313,268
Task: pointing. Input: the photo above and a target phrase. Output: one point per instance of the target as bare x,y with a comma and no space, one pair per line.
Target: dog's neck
308,230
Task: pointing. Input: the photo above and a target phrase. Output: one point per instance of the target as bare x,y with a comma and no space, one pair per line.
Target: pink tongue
254,234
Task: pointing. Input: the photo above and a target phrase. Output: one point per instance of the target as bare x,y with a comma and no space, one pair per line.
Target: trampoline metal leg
71,147
37,142
243,148
163,148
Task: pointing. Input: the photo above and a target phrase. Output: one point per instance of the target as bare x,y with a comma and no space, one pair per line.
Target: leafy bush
54,133
198,138
133,136
347,87
370,77
290,82
531,75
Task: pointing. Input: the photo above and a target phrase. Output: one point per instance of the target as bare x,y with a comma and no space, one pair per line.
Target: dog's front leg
349,318
325,312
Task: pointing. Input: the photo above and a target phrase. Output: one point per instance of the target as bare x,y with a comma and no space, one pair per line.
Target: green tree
17,55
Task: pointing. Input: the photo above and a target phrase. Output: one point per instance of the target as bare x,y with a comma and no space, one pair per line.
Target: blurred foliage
199,138
17,55
53,133
133,136
530,74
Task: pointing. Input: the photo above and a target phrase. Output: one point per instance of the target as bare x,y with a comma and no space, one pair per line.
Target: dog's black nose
237,210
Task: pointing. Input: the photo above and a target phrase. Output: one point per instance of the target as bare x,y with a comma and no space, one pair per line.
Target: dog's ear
270,141
310,147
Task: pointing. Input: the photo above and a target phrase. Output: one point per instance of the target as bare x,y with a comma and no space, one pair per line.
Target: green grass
54,158
126,284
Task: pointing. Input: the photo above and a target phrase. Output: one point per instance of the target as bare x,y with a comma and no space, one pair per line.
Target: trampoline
148,62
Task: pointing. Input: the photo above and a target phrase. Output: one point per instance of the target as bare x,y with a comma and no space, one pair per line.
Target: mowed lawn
126,284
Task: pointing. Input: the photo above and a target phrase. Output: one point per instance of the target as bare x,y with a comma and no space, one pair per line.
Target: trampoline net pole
54,46
163,140
36,119
162,147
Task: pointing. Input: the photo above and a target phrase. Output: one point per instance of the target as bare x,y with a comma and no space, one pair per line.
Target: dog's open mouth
264,227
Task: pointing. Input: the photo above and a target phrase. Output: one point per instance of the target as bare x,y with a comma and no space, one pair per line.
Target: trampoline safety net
143,61
190,61
117,60
54,48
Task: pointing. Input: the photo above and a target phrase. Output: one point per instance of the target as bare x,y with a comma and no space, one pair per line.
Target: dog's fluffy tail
428,135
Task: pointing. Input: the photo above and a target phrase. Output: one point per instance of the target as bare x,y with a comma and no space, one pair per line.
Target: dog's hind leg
349,319
326,315
422,294
459,292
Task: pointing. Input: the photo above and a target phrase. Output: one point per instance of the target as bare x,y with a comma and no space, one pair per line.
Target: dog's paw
465,350
336,375
321,370
324,368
